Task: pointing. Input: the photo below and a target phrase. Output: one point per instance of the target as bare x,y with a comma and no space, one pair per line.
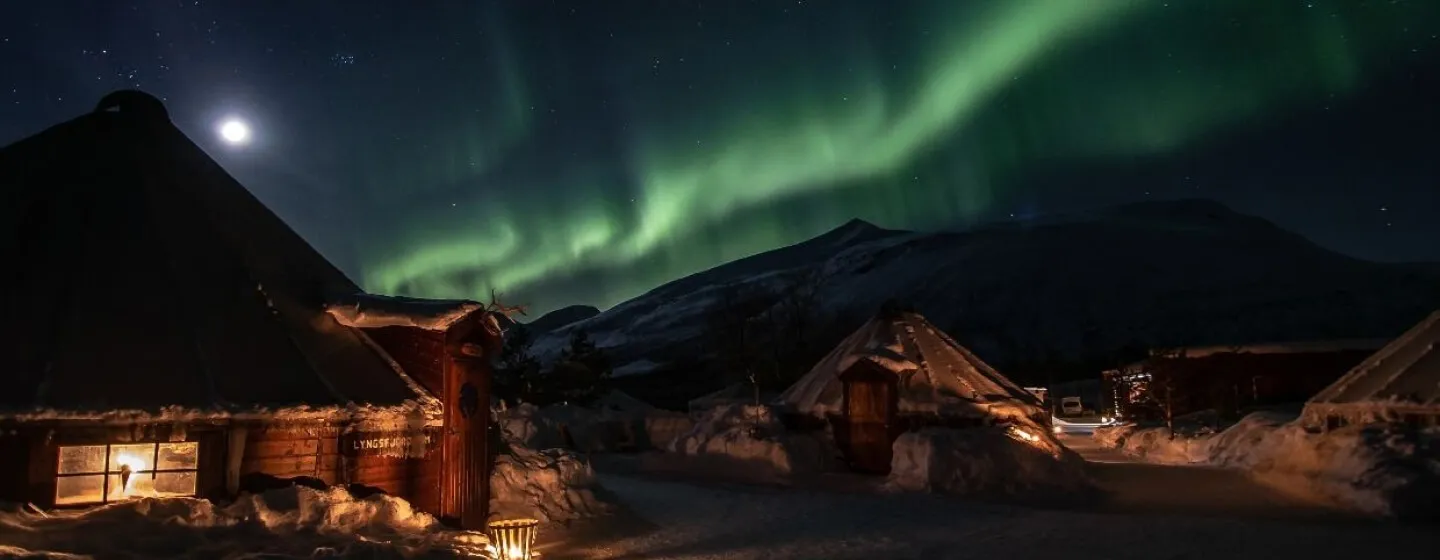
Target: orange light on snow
1022,435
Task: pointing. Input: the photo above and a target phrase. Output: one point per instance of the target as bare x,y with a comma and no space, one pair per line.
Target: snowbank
989,461
590,430
552,485
1154,444
662,427
294,522
1377,469
526,426
1112,436
536,475
752,437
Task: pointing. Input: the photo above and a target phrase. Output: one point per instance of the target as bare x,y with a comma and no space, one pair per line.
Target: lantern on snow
511,539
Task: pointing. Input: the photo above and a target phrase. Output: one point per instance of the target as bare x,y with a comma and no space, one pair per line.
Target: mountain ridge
561,317
1083,283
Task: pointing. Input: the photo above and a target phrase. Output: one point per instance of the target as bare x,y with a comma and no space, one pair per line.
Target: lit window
90,474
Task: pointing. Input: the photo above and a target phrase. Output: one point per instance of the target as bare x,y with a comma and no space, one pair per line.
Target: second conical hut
899,372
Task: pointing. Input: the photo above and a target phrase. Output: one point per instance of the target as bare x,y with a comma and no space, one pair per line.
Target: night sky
586,151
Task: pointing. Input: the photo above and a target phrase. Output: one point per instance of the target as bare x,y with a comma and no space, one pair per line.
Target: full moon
235,132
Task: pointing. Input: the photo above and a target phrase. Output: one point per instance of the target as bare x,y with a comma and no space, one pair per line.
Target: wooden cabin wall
17,484
425,475
393,462
387,461
1230,383
385,472
327,453
29,455
420,353
289,451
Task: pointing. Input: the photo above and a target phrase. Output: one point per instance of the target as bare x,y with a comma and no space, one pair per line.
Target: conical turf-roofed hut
899,372
166,334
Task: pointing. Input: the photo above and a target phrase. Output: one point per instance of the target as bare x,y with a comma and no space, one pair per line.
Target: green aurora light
909,115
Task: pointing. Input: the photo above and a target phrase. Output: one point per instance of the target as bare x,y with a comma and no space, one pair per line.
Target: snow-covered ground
1152,511
751,437
295,522
994,462
1377,470
687,521
1129,485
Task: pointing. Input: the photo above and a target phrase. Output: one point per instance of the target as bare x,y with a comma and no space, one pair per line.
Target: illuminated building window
97,474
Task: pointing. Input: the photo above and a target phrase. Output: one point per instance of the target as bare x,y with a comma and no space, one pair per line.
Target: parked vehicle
1071,406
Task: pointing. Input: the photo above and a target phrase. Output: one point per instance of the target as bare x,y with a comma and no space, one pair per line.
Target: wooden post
465,472
234,457
1169,409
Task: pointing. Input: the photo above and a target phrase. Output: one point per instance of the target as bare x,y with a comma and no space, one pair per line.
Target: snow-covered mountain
1079,284
561,317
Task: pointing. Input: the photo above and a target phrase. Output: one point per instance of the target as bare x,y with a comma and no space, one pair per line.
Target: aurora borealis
584,152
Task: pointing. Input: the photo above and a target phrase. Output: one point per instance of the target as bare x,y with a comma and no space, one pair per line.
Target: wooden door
869,413
465,471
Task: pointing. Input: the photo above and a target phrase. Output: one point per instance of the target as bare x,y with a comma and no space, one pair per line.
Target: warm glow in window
90,474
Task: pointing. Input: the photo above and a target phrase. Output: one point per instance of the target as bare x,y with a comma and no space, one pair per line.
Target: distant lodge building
167,335
1229,379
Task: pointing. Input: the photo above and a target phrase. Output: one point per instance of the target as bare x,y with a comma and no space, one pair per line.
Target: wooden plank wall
16,483
396,467
419,352
28,457
27,473
293,450
425,475
336,457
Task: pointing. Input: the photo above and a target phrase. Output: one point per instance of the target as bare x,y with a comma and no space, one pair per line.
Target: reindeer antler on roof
495,306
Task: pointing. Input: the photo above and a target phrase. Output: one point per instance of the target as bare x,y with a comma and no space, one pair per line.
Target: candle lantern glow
511,539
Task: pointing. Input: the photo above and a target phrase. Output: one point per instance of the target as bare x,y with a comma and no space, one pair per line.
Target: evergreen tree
582,373
518,371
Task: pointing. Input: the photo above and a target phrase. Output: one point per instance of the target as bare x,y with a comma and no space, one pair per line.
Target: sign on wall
391,444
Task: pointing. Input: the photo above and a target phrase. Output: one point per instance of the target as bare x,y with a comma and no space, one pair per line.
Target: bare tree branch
495,306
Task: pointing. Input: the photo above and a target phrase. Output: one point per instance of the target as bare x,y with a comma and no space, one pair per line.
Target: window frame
105,473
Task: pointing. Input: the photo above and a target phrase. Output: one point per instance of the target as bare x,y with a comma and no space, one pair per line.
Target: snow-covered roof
411,414
616,399
936,374
143,276
1405,372
729,394
372,311
1301,347
637,367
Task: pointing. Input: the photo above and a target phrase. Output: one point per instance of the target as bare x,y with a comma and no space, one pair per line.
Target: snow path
1137,487
681,520
1084,444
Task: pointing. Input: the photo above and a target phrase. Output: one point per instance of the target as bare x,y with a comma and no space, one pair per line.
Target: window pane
168,485
128,485
79,489
129,464
82,459
136,456
178,455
